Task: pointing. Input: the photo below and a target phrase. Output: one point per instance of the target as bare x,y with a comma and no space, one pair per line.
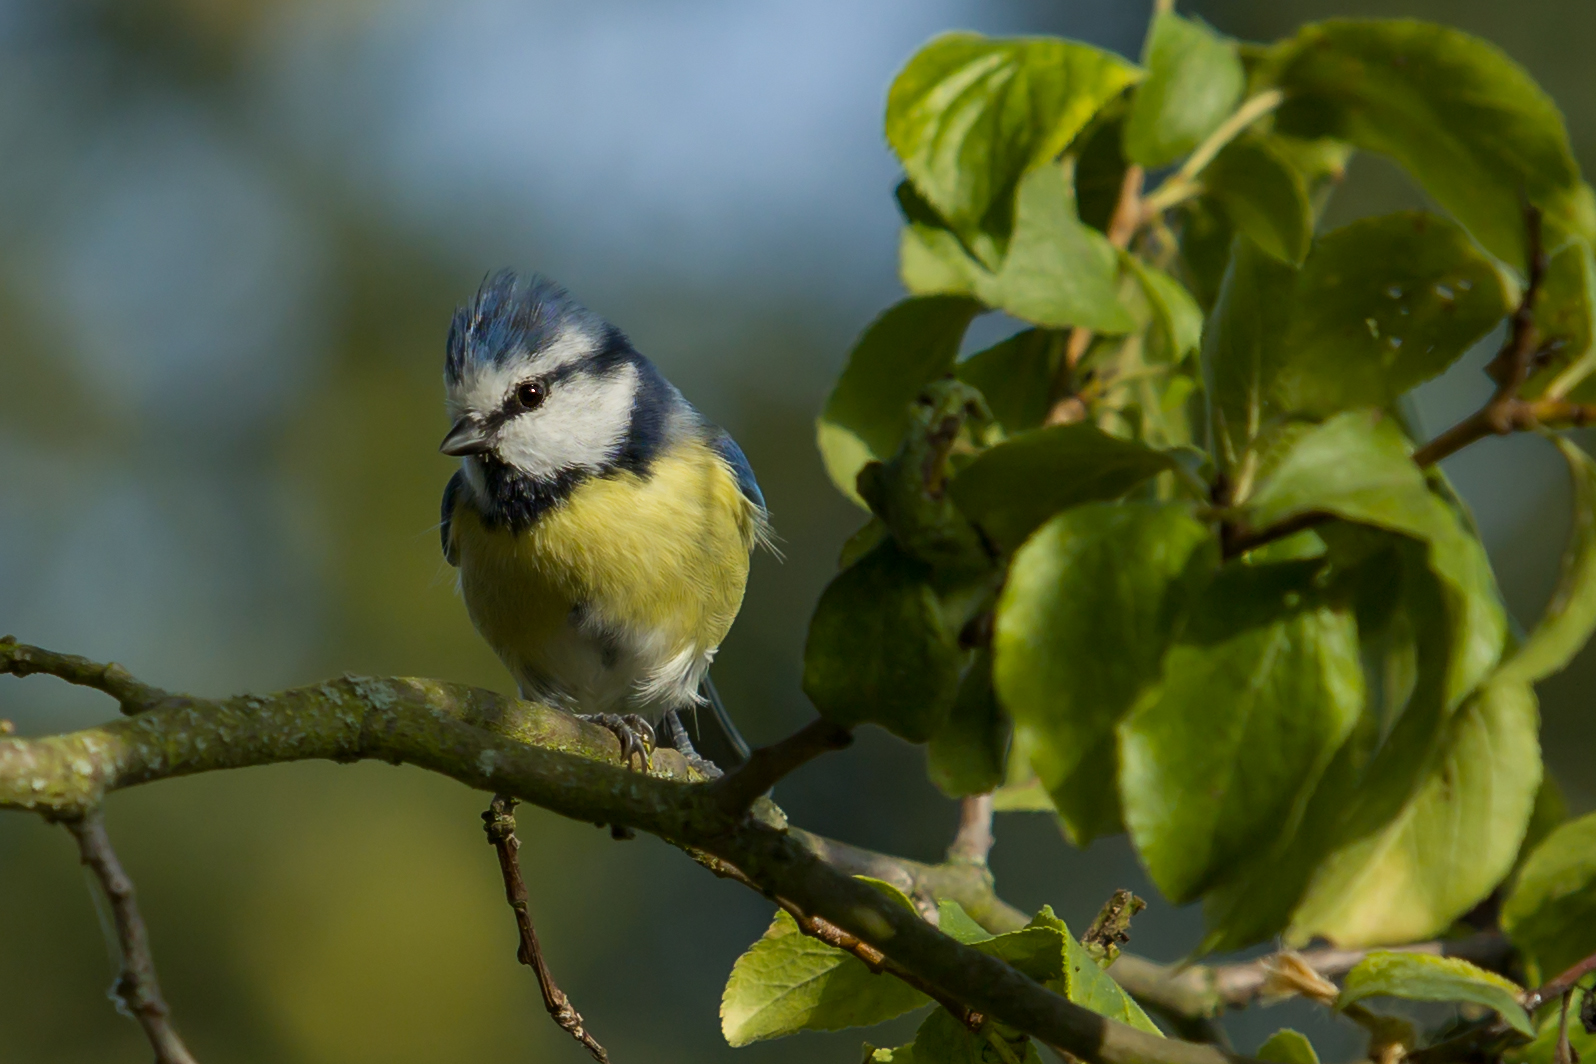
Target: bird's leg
674,732
635,734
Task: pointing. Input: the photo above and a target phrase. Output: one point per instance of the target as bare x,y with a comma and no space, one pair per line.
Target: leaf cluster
1163,562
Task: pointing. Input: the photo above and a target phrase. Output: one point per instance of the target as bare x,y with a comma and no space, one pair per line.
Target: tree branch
137,990
1202,991
499,823
737,791
536,753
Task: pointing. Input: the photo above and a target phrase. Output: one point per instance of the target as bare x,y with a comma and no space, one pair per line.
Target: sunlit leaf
1382,305
1012,488
1466,121
1057,270
900,1055
1286,1046
954,922
969,114
1194,80
1447,844
1256,695
1264,195
1090,603
789,982
1425,977
1551,911
868,410
878,649
1357,466
1570,616
1089,986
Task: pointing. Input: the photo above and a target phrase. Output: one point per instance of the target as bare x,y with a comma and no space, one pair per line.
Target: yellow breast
661,559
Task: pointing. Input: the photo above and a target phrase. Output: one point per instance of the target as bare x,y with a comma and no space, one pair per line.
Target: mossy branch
544,757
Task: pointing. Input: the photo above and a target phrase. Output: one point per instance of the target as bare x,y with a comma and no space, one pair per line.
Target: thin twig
137,989
973,843
1200,990
1504,412
737,791
1067,407
1561,985
134,696
1182,184
499,823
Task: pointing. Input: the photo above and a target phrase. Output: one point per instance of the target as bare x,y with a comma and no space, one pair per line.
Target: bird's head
537,383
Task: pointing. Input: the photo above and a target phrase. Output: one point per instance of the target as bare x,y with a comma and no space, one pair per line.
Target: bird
601,527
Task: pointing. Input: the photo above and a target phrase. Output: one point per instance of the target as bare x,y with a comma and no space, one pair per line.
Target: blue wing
727,448
450,491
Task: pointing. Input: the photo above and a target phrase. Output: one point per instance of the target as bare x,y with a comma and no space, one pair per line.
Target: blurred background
231,236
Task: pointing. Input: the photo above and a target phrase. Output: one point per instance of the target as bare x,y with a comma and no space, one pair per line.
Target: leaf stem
1182,184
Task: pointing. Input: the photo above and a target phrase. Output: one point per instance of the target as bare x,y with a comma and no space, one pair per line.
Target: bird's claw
635,735
674,733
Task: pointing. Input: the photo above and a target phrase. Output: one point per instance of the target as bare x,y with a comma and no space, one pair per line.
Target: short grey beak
466,437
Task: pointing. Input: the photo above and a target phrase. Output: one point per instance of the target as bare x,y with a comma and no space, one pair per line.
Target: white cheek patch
581,426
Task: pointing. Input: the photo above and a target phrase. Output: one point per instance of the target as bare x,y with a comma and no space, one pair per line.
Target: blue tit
601,526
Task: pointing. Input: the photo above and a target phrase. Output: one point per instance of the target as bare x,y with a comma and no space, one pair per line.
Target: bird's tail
714,734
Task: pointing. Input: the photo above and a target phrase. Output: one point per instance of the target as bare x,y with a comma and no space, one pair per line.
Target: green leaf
867,414
1012,488
1177,317
965,756
1468,123
1057,271
1357,466
969,114
942,1039
1089,605
1286,1046
1571,614
1194,80
1243,343
1450,841
1016,377
1382,305
789,982
1265,197
1256,695
878,649
1424,977
1088,985
1551,912
956,923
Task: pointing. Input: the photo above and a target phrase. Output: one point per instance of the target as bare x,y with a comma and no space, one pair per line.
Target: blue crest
511,318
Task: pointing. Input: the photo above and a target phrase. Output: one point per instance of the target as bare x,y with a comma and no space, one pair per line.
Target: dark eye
530,394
